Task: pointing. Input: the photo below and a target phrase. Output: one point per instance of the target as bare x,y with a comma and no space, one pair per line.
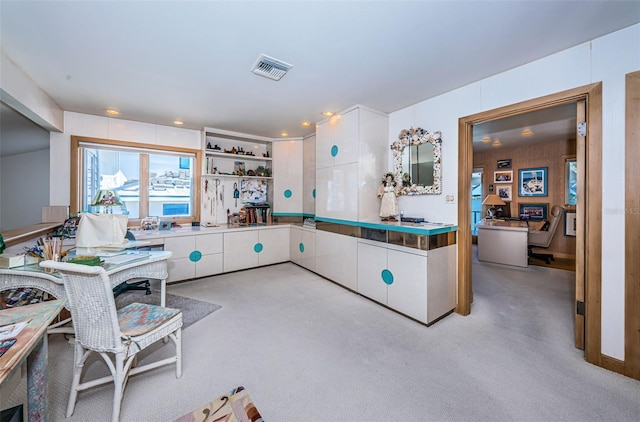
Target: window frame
77,175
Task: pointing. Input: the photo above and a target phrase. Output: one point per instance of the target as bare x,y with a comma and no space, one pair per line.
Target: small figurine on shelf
388,191
215,170
266,154
216,147
209,145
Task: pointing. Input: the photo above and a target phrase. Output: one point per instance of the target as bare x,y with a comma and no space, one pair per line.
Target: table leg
163,292
37,381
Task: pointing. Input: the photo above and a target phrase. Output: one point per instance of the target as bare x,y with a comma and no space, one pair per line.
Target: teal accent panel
313,193
195,256
258,247
287,193
301,247
334,150
387,276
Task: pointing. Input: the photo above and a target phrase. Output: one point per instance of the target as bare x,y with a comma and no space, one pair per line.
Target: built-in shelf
215,153
235,176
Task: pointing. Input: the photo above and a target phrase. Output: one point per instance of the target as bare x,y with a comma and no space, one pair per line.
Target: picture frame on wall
530,211
505,192
532,182
503,176
504,164
570,223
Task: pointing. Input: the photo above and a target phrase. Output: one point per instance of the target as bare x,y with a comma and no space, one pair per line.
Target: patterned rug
235,406
192,310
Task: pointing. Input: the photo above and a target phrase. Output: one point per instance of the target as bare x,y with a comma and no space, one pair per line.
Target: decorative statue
388,191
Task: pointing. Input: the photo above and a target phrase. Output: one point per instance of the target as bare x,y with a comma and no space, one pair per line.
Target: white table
151,265
503,242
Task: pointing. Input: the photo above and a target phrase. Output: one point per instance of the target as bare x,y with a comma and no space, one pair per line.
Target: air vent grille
270,67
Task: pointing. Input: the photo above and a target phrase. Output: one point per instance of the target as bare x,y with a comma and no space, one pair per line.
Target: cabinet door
307,249
240,250
337,189
287,177
441,282
309,176
294,244
337,258
408,292
209,243
180,266
372,280
325,142
347,138
274,246
210,246
209,265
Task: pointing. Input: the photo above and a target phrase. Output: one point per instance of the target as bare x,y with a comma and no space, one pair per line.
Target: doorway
588,216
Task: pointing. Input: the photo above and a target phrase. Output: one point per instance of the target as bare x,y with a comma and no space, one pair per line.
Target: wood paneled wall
547,154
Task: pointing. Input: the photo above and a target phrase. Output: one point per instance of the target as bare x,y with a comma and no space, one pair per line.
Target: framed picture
532,182
533,211
505,192
504,176
238,168
569,223
504,164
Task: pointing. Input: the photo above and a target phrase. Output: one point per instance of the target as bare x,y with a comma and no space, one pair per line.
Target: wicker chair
100,328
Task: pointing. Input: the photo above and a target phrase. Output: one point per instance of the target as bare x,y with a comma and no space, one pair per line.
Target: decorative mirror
417,162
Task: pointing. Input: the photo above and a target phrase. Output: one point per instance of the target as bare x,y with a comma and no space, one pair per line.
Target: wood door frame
591,260
632,228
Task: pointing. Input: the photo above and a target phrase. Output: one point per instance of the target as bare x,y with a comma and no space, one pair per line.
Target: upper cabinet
287,176
351,157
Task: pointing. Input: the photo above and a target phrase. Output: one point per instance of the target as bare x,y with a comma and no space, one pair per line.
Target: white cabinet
253,248
351,156
309,176
194,256
337,258
302,247
287,177
416,283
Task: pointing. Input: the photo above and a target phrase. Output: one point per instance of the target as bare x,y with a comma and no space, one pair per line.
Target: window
149,180
571,181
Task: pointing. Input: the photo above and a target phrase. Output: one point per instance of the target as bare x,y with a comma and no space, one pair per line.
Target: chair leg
78,365
119,378
178,344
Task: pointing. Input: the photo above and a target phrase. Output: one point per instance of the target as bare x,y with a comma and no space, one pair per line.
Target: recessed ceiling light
496,143
178,122
328,113
112,111
284,134
486,139
305,124
527,132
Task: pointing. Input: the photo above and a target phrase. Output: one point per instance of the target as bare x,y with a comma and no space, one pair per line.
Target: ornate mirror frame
415,137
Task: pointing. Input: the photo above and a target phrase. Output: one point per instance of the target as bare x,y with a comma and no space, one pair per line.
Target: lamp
107,198
492,200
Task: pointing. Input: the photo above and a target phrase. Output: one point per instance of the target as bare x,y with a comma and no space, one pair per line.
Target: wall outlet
450,198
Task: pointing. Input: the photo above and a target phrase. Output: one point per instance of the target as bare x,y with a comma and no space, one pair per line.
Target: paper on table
12,330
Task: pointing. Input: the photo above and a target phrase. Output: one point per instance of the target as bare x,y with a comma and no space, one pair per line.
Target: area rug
235,406
192,310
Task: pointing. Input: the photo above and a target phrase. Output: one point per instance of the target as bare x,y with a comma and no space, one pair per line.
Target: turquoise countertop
415,228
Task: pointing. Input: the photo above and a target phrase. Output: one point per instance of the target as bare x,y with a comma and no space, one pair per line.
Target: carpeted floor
192,310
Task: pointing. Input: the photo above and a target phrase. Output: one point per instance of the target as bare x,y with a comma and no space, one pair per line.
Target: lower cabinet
302,247
253,248
194,256
416,283
337,258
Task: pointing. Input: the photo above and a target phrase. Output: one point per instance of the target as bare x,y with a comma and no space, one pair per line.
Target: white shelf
235,176
237,157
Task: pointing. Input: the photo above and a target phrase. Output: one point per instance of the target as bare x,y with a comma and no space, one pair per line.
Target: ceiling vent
270,67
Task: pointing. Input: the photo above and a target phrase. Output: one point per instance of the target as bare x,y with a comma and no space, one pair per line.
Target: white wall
24,188
606,59
106,128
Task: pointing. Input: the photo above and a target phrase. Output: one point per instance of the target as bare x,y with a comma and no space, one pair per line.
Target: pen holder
51,251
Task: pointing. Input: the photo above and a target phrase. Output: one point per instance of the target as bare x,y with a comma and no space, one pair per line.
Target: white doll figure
388,191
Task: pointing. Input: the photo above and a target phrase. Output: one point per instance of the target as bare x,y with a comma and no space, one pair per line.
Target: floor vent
270,67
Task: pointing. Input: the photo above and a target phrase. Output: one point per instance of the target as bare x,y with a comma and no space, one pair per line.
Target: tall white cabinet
309,176
288,191
351,156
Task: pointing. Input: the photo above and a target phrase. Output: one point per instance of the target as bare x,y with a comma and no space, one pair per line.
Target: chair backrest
93,308
543,238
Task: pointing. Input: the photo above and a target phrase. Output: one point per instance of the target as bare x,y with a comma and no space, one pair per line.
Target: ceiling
161,61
